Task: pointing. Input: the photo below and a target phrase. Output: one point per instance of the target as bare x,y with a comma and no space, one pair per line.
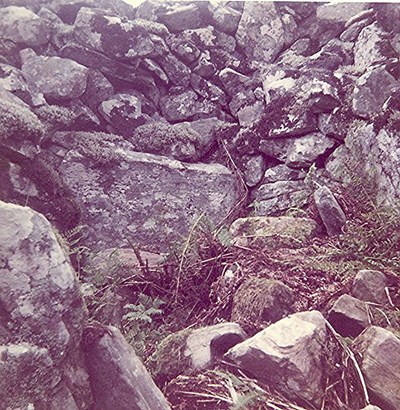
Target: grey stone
277,197
123,112
371,407
57,78
207,89
185,106
292,350
335,124
186,50
12,80
349,316
250,113
379,351
145,198
352,32
204,67
181,17
177,72
371,47
369,285
225,18
330,211
260,32
98,89
261,301
185,141
233,81
42,315
253,169
118,377
205,344
24,27
282,172
371,92
340,13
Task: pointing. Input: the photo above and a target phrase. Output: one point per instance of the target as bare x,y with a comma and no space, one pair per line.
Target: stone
282,172
340,13
277,197
182,17
98,89
253,169
261,301
250,114
369,285
349,316
353,31
379,351
186,106
233,81
177,72
185,141
207,89
59,79
12,80
17,121
260,32
371,407
283,229
335,124
42,316
372,46
123,112
154,199
372,91
186,50
119,379
205,344
23,27
292,350
225,18
330,211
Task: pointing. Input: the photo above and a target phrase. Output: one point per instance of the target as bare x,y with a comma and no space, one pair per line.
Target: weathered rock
225,18
207,89
136,38
24,27
98,89
233,81
352,31
371,92
371,407
372,46
283,229
331,213
282,172
340,13
250,113
261,301
186,50
205,344
42,317
181,141
154,199
369,285
57,78
379,351
293,352
185,106
179,17
12,80
253,169
349,316
260,32
17,121
123,112
336,123
177,72
276,197
118,377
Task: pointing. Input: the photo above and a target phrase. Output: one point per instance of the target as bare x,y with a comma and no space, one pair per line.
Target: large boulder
23,26
41,319
288,355
379,352
118,377
145,198
57,78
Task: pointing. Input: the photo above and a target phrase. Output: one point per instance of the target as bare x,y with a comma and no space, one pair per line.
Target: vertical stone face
147,199
42,316
119,379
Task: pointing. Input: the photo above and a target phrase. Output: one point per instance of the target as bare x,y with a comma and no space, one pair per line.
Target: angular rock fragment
369,285
379,351
293,352
253,169
330,211
118,378
349,316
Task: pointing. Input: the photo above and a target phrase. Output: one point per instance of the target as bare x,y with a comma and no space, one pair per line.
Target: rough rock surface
379,351
118,377
330,211
42,317
349,316
293,351
154,200
369,285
